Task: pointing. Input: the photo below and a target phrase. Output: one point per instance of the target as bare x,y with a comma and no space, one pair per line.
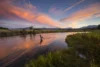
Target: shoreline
9,33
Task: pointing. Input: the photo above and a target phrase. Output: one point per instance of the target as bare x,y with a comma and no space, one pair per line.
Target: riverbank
7,32
83,51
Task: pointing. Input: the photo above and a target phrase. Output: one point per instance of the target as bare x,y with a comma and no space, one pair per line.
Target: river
19,49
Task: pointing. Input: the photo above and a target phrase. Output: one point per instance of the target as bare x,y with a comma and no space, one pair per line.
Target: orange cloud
46,19
90,12
23,14
41,18
11,10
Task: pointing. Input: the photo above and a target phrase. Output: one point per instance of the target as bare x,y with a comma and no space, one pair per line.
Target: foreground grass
84,51
64,58
87,44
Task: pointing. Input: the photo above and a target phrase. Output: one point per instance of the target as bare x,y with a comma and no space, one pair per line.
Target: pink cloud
90,11
9,10
55,11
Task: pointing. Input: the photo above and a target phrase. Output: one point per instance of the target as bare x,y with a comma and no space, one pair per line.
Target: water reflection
12,48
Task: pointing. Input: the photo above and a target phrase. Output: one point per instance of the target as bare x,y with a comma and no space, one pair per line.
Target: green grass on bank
83,51
64,58
87,44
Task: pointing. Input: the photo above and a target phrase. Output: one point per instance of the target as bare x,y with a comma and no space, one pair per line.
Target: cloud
77,3
41,18
97,15
89,12
46,19
11,11
56,11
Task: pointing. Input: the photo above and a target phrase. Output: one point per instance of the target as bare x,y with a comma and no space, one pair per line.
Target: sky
49,13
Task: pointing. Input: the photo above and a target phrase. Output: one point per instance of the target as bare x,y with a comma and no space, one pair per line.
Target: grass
83,51
64,58
87,44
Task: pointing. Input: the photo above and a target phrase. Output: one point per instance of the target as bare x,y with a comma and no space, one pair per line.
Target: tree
3,28
98,26
31,28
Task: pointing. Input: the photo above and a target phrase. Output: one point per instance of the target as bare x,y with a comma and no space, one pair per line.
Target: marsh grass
87,44
64,58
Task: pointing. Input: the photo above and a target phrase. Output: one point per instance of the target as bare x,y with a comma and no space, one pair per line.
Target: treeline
16,32
3,28
98,27
4,32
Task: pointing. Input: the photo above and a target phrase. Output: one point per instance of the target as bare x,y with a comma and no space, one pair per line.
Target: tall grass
64,58
87,44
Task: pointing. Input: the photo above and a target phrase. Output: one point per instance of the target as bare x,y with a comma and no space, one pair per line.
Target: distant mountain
89,27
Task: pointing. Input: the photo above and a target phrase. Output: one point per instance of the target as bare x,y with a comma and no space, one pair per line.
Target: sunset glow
56,14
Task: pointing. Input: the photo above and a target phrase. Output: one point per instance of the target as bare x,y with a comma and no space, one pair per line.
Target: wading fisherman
41,38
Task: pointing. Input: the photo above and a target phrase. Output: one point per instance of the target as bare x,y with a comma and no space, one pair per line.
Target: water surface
29,46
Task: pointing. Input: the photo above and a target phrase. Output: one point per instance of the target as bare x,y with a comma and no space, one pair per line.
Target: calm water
14,48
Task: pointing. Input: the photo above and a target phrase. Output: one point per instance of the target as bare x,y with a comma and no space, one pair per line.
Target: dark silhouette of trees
98,26
3,28
31,28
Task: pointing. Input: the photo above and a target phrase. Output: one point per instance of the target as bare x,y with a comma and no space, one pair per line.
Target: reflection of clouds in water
48,38
12,44
25,45
20,45
3,52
